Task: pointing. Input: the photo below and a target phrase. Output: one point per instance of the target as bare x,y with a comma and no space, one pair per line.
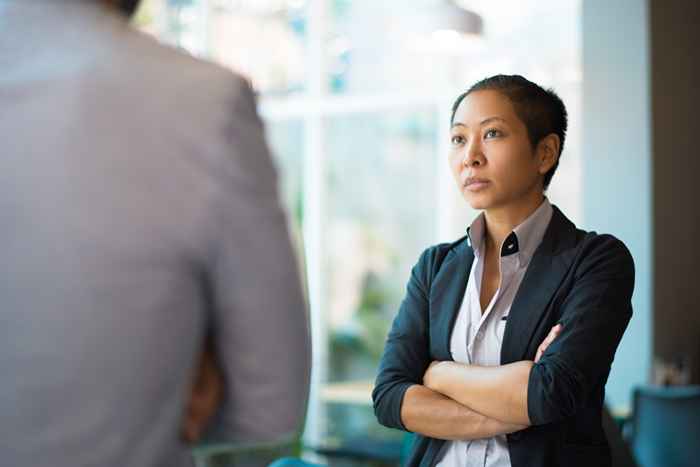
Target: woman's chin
477,201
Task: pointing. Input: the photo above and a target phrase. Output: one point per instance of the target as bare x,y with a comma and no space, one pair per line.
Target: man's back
139,209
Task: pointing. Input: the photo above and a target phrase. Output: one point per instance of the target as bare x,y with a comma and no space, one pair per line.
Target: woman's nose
473,156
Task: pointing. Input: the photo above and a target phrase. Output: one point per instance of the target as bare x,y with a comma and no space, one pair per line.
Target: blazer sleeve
406,353
594,314
259,316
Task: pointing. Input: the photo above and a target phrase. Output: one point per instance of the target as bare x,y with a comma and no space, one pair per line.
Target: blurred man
139,216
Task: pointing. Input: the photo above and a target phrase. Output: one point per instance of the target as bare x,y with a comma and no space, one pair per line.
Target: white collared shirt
477,337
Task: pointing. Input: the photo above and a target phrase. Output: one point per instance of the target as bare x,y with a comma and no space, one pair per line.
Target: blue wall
617,162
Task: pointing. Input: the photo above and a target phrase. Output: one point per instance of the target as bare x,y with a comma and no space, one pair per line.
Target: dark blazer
581,279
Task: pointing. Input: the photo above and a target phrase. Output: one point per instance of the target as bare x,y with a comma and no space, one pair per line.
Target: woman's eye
492,133
457,140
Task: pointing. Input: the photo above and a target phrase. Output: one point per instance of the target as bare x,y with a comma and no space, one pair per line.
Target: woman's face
491,157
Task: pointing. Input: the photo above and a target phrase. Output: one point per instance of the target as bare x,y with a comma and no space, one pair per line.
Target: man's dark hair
128,7
541,110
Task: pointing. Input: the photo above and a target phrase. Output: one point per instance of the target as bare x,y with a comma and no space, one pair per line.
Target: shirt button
479,335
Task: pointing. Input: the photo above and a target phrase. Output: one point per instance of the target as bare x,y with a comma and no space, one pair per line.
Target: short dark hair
128,7
541,110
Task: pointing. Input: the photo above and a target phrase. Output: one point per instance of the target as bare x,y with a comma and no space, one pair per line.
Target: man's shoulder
166,68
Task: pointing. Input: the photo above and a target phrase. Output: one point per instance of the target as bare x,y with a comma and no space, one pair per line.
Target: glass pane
381,188
263,39
413,47
364,52
380,196
286,140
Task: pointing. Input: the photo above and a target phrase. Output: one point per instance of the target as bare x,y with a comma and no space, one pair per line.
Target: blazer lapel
446,295
545,273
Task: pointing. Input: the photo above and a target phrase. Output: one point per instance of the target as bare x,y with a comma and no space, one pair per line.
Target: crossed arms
452,401
460,402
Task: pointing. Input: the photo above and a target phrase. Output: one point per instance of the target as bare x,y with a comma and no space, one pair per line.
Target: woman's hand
548,340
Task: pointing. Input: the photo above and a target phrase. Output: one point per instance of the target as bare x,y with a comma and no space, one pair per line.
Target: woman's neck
501,221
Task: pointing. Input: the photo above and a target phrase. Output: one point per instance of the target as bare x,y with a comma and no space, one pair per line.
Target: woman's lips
476,184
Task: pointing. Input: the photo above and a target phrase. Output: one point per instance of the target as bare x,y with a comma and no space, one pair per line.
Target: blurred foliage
371,314
356,350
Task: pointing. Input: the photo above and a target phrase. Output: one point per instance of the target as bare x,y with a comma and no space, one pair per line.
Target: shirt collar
523,240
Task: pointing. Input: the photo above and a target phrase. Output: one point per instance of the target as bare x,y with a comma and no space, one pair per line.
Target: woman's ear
548,152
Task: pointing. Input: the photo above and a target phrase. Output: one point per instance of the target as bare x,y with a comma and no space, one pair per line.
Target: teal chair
406,446
292,462
665,426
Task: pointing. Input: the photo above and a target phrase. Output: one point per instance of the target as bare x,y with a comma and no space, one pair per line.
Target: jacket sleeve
406,353
595,314
259,317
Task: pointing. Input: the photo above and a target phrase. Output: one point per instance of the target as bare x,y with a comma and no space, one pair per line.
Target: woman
502,346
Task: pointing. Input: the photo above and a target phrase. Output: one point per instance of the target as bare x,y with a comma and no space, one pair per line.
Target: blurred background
356,98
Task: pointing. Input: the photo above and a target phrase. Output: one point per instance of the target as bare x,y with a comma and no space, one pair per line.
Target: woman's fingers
553,333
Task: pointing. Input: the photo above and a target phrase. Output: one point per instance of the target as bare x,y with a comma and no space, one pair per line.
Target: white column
314,195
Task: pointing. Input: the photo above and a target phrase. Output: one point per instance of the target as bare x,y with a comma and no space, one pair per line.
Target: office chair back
666,426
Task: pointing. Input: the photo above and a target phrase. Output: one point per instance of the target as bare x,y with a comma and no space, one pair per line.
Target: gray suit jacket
138,211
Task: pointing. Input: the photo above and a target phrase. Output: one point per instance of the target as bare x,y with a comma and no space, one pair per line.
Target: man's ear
548,152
